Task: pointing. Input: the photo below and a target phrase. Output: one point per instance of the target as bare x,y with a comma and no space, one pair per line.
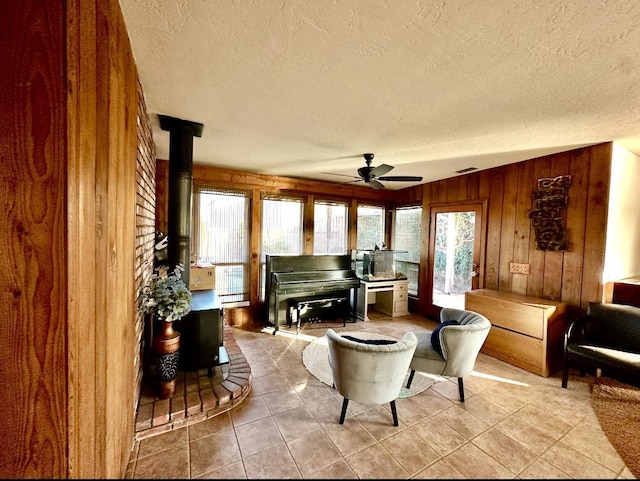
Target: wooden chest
527,332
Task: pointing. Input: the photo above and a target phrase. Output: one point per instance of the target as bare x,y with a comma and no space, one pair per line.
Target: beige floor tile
327,411
262,368
162,442
526,434
280,401
251,409
432,401
474,463
593,443
539,415
505,450
437,435
484,409
376,463
448,389
313,391
575,464
230,471
502,398
540,469
259,436
441,469
339,470
213,451
411,410
213,425
410,451
379,422
272,382
296,422
313,451
350,437
275,463
169,464
519,424
464,422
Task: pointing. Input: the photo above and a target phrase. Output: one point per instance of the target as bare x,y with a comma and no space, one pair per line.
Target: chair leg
394,413
344,410
410,379
565,374
461,389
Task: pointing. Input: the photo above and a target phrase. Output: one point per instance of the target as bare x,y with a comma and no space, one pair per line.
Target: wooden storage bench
527,332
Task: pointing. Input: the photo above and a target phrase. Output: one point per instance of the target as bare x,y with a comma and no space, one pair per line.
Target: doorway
455,255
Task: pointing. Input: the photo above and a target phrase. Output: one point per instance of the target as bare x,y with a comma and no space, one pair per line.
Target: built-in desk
389,297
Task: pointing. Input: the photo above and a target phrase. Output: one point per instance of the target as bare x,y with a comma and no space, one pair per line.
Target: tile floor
513,424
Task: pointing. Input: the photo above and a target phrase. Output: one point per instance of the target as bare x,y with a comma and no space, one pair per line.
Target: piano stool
317,309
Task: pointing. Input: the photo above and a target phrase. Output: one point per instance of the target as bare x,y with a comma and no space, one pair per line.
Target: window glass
221,239
370,227
281,230
329,228
406,237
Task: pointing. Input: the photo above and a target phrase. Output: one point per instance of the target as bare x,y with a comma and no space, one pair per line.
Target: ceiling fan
373,175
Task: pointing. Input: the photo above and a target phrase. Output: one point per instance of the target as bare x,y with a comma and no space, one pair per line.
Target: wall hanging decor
548,218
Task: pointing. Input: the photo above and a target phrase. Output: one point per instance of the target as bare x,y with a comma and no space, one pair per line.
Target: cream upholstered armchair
452,348
367,372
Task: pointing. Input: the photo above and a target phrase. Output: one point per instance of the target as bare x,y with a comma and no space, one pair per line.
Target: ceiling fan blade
375,185
380,170
401,178
341,175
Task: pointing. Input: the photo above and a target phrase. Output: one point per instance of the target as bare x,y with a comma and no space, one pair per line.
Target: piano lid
313,276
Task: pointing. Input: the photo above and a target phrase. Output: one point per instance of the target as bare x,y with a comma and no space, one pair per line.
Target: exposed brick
209,399
143,417
223,394
178,407
153,431
160,412
232,387
191,382
238,380
194,406
188,421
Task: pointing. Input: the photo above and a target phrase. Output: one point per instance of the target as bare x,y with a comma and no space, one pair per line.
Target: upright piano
307,277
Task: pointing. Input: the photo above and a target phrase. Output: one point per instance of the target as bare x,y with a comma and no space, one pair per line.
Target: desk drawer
517,349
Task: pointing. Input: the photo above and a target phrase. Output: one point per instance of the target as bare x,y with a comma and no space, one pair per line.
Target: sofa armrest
575,330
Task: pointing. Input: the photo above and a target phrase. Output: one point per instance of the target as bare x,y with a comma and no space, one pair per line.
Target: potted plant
167,299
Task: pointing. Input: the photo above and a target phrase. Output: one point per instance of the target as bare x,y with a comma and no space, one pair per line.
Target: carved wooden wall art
548,218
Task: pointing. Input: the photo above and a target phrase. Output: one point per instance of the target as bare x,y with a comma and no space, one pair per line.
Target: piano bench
317,309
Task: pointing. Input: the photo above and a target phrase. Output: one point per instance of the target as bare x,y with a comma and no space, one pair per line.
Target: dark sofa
606,338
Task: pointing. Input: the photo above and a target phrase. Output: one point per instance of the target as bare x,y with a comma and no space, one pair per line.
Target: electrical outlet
516,268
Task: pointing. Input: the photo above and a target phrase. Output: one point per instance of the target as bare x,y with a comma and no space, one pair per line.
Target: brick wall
145,228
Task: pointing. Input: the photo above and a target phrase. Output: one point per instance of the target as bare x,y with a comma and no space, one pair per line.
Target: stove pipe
180,182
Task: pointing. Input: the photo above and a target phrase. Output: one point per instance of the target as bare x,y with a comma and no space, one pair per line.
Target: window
329,228
281,230
370,227
221,238
406,237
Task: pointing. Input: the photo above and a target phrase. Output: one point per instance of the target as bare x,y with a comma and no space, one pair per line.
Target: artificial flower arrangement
166,296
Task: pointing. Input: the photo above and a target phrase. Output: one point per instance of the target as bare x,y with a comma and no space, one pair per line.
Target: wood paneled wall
67,239
573,276
33,277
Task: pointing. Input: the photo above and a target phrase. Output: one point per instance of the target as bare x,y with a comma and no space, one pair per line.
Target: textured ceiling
303,88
